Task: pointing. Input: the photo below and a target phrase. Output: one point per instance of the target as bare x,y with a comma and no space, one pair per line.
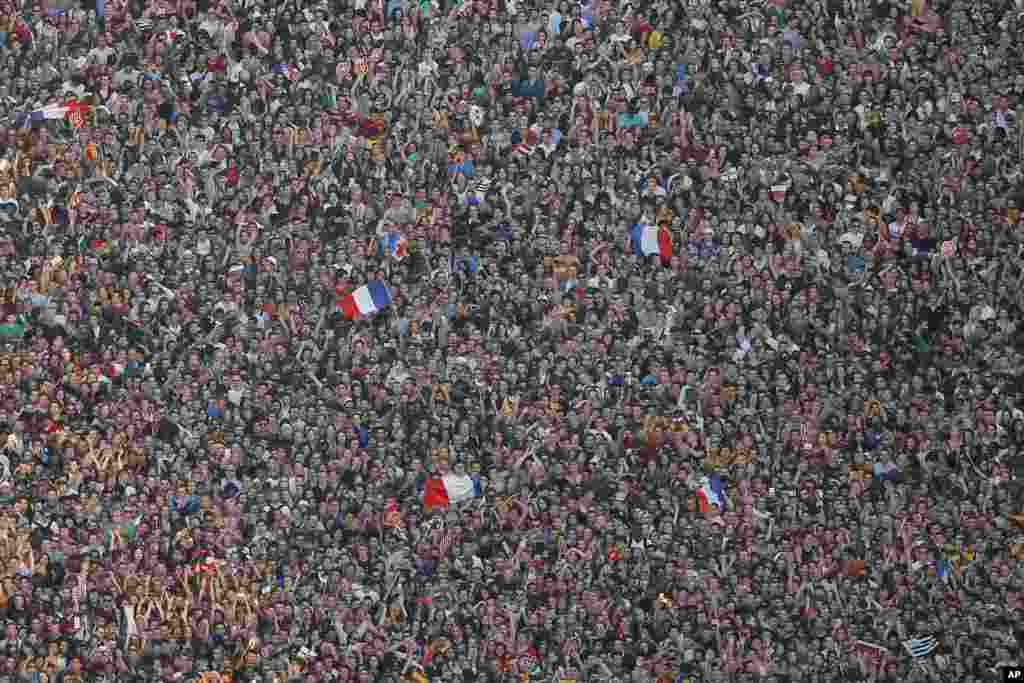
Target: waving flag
367,300
921,647
449,489
651,239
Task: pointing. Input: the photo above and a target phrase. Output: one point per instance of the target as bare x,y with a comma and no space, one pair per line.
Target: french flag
449,490
365,301
709,494
396,245
651,239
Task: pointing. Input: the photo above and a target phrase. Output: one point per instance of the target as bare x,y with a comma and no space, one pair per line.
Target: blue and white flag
921,647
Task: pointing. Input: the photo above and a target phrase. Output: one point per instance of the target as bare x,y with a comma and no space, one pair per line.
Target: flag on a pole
921,647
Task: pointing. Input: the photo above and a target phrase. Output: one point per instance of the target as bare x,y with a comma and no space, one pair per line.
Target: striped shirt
483,186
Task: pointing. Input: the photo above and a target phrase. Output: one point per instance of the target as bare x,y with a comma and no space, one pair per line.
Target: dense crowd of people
712,310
